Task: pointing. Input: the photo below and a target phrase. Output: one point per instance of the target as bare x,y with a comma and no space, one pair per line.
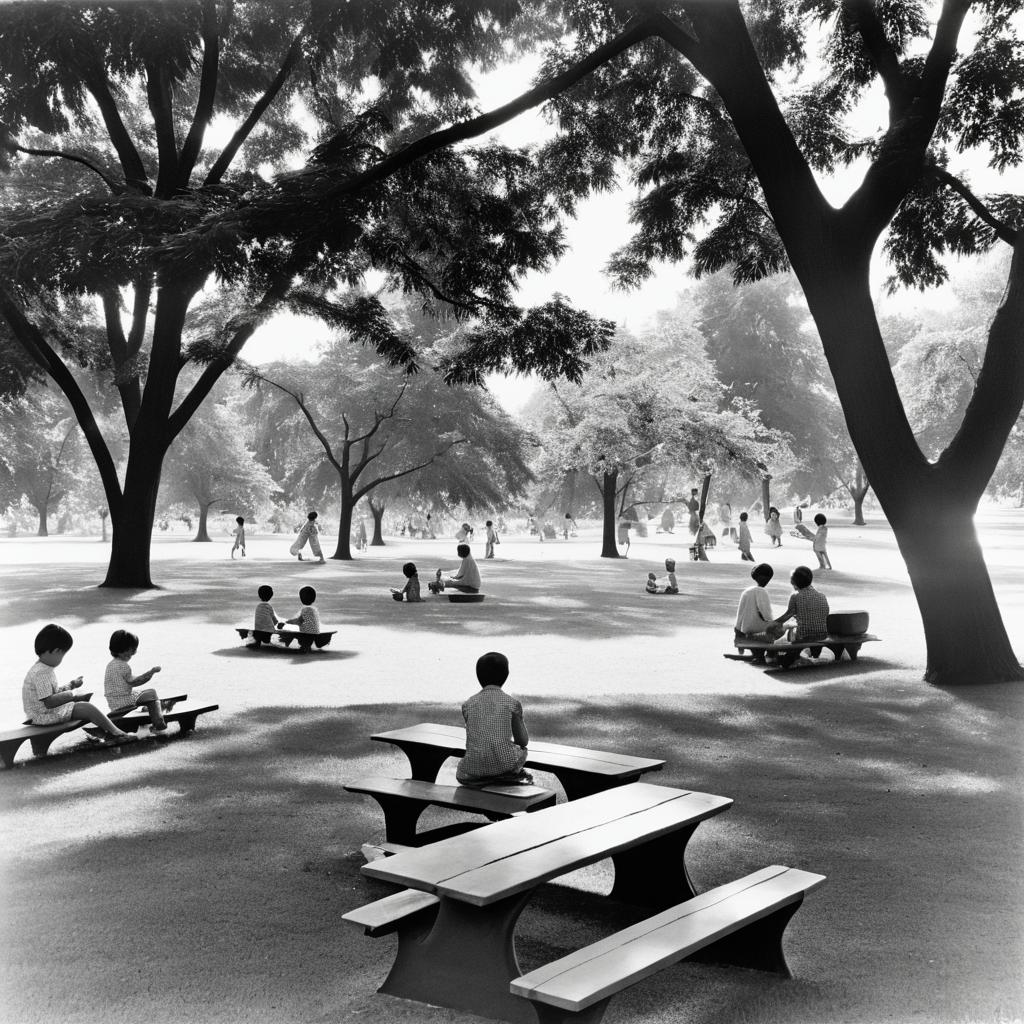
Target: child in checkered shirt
308,619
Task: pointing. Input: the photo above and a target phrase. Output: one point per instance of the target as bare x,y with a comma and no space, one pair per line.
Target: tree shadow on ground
905,797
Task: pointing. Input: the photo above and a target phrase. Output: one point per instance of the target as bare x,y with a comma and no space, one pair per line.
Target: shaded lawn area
205,880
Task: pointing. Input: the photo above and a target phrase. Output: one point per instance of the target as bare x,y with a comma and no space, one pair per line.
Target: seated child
118,683
652,584
308,619
671,586
467,579
809,606
46,703
411,590
496,736
265,620
754,613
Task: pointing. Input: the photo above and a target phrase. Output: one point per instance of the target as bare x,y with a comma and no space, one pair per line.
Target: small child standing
118,683
308,619
773,527
671,586
411,590
361,536
745,540
265,620
820,542
239,532
496,736
46,703
492,539
310,531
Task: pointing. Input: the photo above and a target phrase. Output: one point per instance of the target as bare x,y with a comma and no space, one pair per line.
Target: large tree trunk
42,531
131,520
377,511
609,546
344,548
202,536
766,496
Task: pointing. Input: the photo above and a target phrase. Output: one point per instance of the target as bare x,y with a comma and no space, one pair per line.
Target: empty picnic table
581,771
482,880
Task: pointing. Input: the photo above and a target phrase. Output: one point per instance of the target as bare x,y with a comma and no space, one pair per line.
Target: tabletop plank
431,867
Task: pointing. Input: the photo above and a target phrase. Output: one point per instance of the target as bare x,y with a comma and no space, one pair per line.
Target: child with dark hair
773,527
411,590
309,532
820,542
308,619
745,540
467,579
46,703
809,606
754,612
119,683
651,586
492,539
496,736
265,619
671,584
239,532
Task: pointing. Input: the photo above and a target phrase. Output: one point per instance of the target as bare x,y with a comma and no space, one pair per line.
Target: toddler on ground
411,590
496,736
119,683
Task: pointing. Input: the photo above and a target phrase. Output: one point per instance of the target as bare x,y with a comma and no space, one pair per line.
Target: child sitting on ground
46,703
411,590
308,619
467,579
652,584
265,620
119,683
496,736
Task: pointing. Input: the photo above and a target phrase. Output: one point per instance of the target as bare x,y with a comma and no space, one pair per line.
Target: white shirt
468,574
40,682
754,611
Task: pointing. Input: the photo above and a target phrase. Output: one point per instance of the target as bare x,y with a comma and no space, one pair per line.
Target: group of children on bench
266,622
48,703
755,621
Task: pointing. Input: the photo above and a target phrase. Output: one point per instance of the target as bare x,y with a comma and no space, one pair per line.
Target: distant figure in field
361,535
754,619
725,514
496,736
821,542
809,606
264,620
492,539
119,683
239,532
429,528
411,590
467,579
309,532
693,507
569,526
651,586
308,619
668,521
622,530
464,533
47,703
773,527
671,586
745,540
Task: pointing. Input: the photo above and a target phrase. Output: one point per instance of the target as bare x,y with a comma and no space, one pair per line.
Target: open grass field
203,880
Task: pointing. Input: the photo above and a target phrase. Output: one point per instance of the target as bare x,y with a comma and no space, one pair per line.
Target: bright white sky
602,226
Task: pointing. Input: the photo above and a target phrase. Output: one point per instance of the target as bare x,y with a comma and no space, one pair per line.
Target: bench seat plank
491,799
184,714
437,866
606,967
384,915
800,645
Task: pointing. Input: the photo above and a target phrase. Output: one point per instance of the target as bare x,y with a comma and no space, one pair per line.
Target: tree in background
712,132
348,426
142,214
210,464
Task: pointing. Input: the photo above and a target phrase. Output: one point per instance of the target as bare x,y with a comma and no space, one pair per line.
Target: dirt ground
203,880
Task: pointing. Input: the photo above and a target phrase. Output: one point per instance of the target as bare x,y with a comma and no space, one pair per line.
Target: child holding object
820,542
46,703
411,590
496,736
309,532
119,683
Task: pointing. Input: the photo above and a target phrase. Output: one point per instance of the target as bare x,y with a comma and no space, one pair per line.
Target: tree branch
223,162
897,90
161,106
301,403
114,187
405,472
207,91
127,386
980,210
131,163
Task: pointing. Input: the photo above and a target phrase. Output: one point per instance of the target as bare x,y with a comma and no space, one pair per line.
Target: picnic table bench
404,800
580,771
788,653
740,923
465,957
304,641
184,714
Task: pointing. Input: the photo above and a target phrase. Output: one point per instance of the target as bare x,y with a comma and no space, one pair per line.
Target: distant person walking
821,541
773,527
361,536
693,507
310,532
668,521
569,525
745,540
492,539
239,532
623,534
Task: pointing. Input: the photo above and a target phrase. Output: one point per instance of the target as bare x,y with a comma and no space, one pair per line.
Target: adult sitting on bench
467,579
754,619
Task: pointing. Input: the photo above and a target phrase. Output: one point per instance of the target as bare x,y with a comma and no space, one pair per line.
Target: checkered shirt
496,736
811,608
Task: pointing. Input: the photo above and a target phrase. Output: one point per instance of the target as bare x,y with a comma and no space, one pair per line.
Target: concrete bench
304,641
788,653
404,800
740,923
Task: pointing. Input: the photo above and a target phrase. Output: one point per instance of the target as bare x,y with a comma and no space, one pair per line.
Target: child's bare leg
83,711
149,699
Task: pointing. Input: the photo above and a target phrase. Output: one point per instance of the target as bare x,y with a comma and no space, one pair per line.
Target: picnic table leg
757,945
853,650
8,749
186,723
466,962
654,874
425,762
400,817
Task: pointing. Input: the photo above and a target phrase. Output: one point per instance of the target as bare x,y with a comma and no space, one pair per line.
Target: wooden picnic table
581,771
484,879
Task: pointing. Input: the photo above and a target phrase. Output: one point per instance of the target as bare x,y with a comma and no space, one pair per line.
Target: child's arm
64,695
519,733
144,678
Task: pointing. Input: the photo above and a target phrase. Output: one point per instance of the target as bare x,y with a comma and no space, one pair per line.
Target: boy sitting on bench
811,610
754,620
496,736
